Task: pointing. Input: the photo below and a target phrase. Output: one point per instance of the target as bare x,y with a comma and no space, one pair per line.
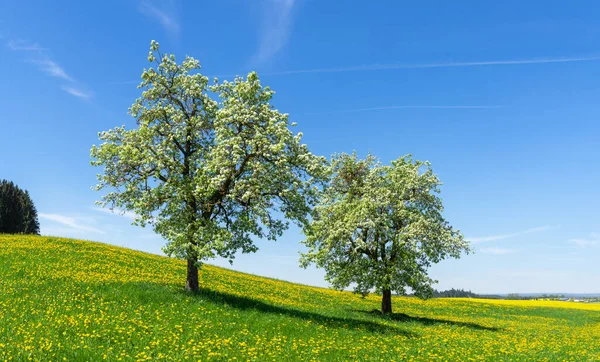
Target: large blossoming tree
379,227
208,166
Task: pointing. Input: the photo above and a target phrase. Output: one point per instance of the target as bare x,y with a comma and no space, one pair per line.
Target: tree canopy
208,166
18,214
379,227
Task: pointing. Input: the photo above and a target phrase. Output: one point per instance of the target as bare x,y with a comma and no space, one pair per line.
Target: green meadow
65,299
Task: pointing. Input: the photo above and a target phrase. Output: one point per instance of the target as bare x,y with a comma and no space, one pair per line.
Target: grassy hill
79,300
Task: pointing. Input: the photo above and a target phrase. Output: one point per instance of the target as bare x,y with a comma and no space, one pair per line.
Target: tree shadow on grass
248,304
402,317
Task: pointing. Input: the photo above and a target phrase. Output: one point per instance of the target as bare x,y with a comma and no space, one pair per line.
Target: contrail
372,67
126,82
506,236
363,68
401,107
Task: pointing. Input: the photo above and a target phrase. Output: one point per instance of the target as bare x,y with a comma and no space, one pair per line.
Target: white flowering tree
208,166
380,227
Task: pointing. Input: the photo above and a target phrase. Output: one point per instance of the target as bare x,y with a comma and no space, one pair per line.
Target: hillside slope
79,300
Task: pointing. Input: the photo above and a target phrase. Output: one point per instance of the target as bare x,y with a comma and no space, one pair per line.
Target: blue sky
501,97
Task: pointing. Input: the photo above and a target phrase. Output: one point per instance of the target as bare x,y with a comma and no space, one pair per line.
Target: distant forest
461,293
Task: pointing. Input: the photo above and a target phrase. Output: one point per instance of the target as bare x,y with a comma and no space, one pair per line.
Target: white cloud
497,251
371,67
71,222
275,29
511,235
165,17
115,211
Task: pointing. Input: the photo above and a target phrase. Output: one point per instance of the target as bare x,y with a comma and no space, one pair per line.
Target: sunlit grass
77,300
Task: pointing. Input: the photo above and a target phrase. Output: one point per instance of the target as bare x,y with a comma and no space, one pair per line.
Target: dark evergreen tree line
17,211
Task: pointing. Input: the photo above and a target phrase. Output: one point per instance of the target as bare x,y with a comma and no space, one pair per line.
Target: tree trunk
191,283
386,302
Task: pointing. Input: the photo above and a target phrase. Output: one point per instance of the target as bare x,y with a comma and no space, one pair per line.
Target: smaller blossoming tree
380,227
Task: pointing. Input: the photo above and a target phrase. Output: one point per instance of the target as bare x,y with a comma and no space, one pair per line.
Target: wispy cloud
285,257
275,28
149,236
372,67
77,92
401,107
165,15
497,251
43,61
52,69
593,240
584,243
21,45
71,222
511,235
125,82
115,211
532,274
